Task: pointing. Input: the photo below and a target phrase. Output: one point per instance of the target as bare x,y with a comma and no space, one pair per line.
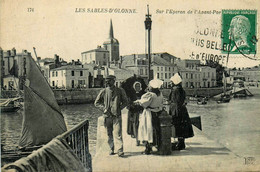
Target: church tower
112,45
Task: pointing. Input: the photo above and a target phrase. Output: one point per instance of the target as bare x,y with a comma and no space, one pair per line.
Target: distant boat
224,99
10,104
202,101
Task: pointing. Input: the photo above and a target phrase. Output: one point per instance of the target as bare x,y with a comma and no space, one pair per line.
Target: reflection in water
234,124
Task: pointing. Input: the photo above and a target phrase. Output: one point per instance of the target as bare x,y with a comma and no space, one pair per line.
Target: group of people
143,113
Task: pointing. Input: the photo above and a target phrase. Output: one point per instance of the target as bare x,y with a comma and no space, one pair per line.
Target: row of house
105,60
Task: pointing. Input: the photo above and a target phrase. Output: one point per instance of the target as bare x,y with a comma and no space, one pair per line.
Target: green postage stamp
239,31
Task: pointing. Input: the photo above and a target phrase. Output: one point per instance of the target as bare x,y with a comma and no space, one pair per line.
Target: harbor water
234,125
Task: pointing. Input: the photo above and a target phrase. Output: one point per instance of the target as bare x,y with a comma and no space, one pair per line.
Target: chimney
73,62
134,59
172,61
13,52
98,47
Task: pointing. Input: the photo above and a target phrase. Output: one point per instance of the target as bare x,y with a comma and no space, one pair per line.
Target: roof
96,50
160,61
71,67
183,69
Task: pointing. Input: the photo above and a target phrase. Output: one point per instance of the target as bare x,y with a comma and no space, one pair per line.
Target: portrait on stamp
239,31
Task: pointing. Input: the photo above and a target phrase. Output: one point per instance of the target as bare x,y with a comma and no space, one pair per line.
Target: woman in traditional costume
149,126
179,113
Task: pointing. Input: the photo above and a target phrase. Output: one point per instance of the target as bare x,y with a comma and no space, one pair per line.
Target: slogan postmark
239,32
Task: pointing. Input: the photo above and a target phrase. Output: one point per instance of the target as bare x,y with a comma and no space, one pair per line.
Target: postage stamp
239,32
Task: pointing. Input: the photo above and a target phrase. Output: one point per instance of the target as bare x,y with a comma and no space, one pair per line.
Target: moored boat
10,104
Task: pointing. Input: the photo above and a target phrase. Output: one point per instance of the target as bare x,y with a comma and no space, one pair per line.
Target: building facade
69,77
208,76
99,56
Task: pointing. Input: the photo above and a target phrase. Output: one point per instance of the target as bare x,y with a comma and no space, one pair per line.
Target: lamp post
148,26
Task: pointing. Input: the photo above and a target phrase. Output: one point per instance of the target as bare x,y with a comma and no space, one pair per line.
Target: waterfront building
208,76
99,56
188,63
191,78
12,65
10,82
47,64
69,77
162,70
138,63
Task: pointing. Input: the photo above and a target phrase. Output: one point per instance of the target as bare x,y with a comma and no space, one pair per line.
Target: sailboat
224,98
42,117
10,104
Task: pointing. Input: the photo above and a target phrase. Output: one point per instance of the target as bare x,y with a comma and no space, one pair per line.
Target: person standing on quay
112,100
149,126
179,113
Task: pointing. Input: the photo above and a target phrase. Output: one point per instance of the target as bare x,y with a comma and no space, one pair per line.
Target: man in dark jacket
111,100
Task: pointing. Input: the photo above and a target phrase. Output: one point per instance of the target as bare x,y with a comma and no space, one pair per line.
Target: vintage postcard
81,47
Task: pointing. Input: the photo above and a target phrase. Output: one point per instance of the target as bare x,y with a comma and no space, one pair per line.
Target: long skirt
145,130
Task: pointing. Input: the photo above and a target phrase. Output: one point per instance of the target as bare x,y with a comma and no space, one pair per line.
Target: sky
54,27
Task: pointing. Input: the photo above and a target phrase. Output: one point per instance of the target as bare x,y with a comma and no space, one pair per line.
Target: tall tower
112,45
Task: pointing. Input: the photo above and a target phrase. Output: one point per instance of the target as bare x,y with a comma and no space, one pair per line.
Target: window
195,76
208,74
191,76
56,73
158,75
170,75
187,84
169,68
146,71
161,68
72,83
187,76
52,73
53,83
158,68
165,75
104,56
161,75
165,68
81,73
72,73
204,75
141,71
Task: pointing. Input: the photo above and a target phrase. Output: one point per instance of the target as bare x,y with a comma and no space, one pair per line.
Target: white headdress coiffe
176,79
156,83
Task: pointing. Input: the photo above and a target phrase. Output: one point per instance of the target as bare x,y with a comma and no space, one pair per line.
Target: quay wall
89,95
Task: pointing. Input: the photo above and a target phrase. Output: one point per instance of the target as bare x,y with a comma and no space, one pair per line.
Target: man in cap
111,100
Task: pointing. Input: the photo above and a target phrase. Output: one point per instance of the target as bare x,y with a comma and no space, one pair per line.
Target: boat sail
42,118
